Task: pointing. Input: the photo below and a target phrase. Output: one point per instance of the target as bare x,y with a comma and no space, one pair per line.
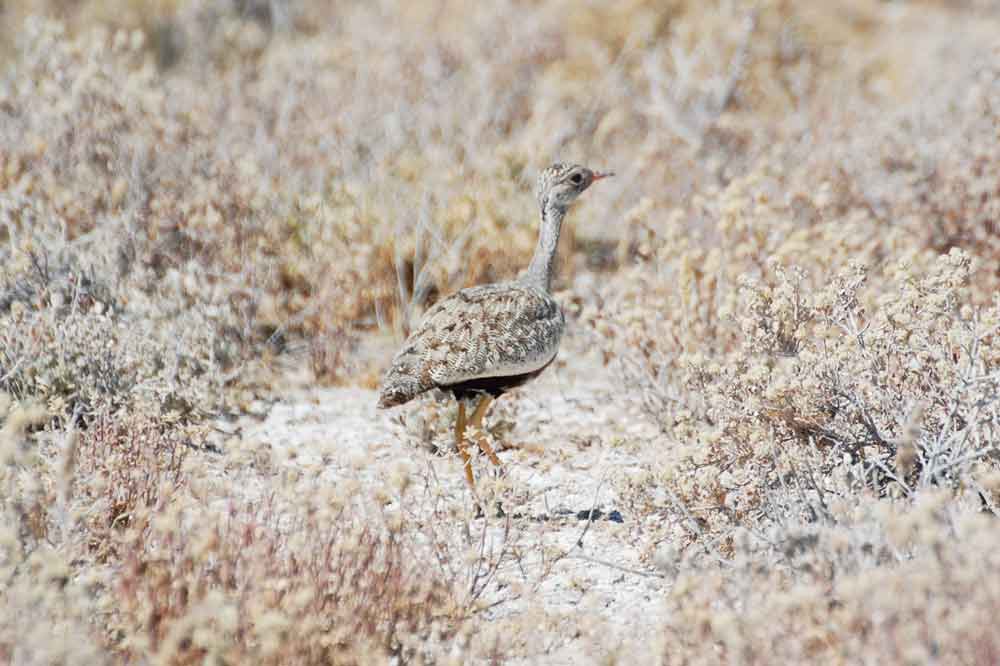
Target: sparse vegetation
208,206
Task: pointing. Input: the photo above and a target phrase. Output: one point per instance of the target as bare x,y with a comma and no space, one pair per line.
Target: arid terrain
772,433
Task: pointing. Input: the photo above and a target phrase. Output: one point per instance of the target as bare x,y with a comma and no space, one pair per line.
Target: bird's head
560,184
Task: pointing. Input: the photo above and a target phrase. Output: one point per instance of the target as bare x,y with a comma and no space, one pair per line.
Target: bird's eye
576,178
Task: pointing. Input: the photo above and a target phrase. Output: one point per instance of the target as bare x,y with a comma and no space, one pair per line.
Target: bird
482,341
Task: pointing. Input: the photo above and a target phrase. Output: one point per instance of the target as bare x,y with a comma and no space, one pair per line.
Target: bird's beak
598,175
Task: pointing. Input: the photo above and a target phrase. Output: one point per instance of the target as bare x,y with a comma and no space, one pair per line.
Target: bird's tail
399,389
392,397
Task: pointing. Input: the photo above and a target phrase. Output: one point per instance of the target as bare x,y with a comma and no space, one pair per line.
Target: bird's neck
542,265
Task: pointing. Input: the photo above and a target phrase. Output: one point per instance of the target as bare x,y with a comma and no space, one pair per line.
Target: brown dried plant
795,282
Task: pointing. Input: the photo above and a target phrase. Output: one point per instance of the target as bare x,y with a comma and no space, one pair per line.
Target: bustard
485,340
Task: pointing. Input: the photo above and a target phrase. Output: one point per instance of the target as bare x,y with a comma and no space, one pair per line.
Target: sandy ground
573,447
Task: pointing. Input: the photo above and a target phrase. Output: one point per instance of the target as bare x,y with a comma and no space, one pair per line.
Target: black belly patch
494,386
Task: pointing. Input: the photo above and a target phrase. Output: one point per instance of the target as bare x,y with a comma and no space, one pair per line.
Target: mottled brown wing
488,331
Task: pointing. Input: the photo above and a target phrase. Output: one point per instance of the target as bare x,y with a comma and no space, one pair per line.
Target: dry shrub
104,315
798,333
184,199
822,395
922,356
257,584
77,491
901,395
153,557
933,178
904,584
88,490
127,467
290,215
46,606
68,339
47,610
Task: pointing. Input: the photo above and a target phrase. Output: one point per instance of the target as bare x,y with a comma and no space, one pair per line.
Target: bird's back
494,330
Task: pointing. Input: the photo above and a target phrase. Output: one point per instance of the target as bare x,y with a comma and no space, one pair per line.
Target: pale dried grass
797,284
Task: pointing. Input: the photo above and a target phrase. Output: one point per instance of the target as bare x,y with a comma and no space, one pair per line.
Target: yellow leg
460,444
477,422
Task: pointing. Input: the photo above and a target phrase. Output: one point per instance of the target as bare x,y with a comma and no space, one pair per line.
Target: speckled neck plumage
542,265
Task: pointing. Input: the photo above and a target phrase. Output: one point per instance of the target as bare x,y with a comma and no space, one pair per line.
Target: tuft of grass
255,584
